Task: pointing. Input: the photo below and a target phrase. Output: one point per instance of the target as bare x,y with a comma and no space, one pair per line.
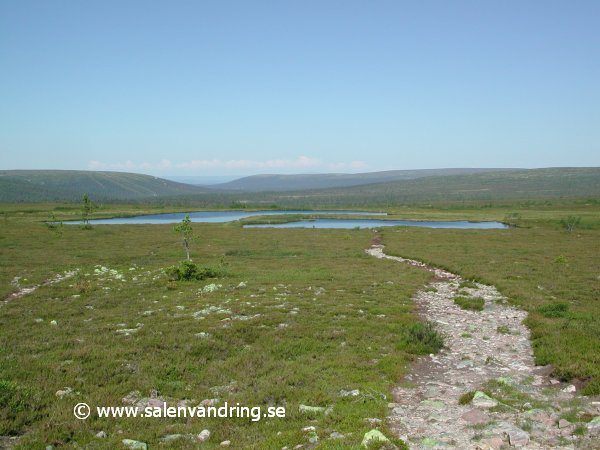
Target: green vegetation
514,190
87,208
301,316
421,338
472,303
186,232
187,271
281,183
570,223
466,398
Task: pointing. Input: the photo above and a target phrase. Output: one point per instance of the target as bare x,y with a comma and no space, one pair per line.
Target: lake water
211,216
376,223
230,216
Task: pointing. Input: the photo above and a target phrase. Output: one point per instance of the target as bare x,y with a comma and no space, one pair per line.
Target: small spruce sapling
185,230
87,208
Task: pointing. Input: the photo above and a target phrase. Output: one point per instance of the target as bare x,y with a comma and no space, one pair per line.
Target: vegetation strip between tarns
483,390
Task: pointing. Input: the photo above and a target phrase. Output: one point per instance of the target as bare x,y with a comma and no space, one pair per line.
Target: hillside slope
299,182
529,184
70,185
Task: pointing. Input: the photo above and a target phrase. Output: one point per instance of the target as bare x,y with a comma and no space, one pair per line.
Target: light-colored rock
203,436
352,393
569,389
209,402
482,400
372,437
134,445
225,444
172,437
66,392
306,409
101,434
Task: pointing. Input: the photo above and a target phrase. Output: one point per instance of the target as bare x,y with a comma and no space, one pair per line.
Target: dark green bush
187,270
422,338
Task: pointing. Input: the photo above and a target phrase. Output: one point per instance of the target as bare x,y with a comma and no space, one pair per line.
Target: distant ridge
527,184
282,183
70,185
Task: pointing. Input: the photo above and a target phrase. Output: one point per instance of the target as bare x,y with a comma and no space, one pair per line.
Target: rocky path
23,291
483,390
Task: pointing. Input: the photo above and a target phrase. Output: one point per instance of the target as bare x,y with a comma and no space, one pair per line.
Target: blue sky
243,87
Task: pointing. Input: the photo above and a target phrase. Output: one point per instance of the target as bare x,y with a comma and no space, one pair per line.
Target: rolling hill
531,184
70,185
282,183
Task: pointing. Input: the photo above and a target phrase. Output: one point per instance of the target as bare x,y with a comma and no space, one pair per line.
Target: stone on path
474,417
483,400
518,438
493,443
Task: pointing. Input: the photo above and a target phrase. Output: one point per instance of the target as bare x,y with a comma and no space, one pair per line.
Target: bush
422,338
187,270
473,303
554,310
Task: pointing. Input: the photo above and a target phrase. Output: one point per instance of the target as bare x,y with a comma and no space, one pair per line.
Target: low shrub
422,338
473,303
187,270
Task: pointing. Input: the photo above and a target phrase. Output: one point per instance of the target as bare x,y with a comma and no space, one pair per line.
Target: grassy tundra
316,316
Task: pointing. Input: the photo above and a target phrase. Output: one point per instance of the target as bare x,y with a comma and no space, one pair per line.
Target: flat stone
435,404
562,423
101,434
464,364
482,400
474,417
570,388
493,443
225,444
518,438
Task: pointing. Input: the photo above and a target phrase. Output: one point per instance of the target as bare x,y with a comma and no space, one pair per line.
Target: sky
243,87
